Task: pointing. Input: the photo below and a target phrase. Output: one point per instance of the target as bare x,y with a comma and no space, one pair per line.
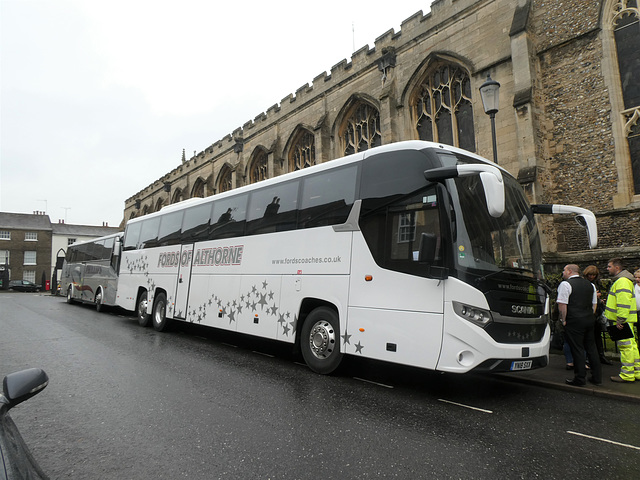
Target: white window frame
30,236
30,261
406,231
29,275
4,253
5,235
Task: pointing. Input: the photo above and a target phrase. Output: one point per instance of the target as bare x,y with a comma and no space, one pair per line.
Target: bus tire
98,301
320,340
69,294
159,315
144,319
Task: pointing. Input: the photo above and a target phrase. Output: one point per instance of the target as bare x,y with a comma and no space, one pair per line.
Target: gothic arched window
361,130
259,167
303,151
626,31
177,196
225,183
442,108
198,189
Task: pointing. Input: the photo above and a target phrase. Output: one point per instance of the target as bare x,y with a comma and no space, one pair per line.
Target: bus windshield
484,244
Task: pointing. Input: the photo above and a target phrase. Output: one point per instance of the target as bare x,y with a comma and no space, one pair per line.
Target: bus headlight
476,315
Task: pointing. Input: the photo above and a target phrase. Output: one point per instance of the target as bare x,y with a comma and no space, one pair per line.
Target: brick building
25,246
567,127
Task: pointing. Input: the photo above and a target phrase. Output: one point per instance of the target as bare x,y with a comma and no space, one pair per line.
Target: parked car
23,286
16,461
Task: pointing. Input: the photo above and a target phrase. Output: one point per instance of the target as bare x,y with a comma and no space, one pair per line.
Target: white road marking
229,345
264,354
465,406
374,383
603,440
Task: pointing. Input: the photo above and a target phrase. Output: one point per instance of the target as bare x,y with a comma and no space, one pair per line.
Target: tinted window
149,233
327,197
195,225
394,173
273,209
395,232
108,245
131,236
170,227
228,217
96,250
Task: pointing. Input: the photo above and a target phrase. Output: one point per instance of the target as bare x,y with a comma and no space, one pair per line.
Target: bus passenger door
184,282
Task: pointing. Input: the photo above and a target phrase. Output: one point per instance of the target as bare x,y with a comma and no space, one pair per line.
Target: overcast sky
98,98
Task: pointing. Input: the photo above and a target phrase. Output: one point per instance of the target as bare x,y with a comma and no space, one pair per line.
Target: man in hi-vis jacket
621,309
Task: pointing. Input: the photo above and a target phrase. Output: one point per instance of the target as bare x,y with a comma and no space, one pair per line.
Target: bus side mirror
117,247
584,217
490,176
494,193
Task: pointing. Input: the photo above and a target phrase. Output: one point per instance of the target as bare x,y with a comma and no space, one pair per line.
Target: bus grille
513,333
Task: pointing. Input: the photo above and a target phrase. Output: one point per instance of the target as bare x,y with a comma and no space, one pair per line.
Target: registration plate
521,365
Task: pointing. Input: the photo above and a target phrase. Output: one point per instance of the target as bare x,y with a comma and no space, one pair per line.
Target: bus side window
94,251
149,233
195,225
228,217
273,209
131,236
328,197
170,229
108,248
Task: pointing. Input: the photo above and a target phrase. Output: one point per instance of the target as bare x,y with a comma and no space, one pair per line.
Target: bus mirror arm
584,217
490,176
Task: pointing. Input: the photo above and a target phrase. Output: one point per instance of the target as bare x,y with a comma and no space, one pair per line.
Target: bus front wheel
320,341
70,294
99,305
144,319
160,320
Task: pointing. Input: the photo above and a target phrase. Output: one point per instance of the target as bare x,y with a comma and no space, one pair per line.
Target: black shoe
605,360
597,384
569,366
574,382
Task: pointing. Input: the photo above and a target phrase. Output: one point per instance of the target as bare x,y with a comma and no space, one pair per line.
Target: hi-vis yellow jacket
621,302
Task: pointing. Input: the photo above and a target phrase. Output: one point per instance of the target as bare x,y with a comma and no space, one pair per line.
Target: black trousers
580,336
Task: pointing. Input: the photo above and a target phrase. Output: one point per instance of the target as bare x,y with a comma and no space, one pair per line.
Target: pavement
555,374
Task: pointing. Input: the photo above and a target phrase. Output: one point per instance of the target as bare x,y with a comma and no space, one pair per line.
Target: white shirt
564,290
636,288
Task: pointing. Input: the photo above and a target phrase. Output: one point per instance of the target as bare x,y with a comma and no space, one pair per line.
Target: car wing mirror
20,386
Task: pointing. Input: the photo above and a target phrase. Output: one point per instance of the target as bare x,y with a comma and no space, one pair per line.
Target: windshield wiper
502,270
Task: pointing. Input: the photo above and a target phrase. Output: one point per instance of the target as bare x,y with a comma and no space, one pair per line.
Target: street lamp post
489,92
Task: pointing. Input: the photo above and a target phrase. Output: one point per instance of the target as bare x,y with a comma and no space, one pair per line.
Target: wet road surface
128,402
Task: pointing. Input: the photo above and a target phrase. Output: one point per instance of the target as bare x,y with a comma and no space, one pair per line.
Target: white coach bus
415,253
90,271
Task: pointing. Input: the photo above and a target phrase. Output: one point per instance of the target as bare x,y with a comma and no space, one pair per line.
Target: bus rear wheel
144,319
320,340
160,320
70,294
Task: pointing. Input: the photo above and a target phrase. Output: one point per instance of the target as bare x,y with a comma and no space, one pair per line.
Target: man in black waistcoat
577,302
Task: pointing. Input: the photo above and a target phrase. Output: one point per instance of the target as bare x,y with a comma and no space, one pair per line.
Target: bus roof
338,162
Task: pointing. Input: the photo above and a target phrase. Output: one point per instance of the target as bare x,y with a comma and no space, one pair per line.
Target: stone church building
568,126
